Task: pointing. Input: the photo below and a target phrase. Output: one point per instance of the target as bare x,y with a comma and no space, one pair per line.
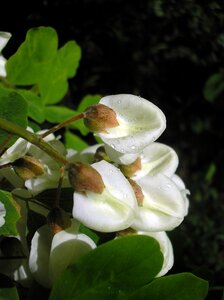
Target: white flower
112,210
140,123
157,158
165,247
163,206
51,254
4,38
2,214
185,192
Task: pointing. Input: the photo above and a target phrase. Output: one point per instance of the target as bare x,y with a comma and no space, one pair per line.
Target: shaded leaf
9,294
113,268
183,286
13,108
214,86
12,214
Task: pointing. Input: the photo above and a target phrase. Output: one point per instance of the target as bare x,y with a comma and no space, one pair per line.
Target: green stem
63,124
33,139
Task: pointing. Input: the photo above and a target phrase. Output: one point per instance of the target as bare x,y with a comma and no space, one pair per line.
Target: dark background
164,51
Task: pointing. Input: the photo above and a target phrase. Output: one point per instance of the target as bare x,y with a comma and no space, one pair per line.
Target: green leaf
39,62
58,114
183,286
13,108
87,101
75,142
35,106
9,294
12,214
33,57
64,66
214,86
113,268
89,232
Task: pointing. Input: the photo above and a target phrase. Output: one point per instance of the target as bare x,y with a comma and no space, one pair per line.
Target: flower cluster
128,183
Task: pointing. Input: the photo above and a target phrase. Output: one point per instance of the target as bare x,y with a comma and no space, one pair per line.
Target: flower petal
2,214
112,210
163,205
39,255
157,158
71,246
4,38
185,192
140,123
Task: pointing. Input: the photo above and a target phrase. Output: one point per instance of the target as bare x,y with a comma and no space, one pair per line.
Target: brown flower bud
28,167
58,220
98,118
84,178
138,191
129,170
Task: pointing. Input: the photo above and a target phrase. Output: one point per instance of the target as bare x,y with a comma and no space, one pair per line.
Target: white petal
154,220
185,192
2,214
2,66
163,205
120,158
166,249
157,158
67,247
112,210
160,193
4,38
140,123
39,255
17,150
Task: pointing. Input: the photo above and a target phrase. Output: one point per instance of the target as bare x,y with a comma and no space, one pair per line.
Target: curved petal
17,150
4,38
166,249
154,220
120,158
185,192
157,158
112,210
39,255
160,193
69,245
2,214
140,123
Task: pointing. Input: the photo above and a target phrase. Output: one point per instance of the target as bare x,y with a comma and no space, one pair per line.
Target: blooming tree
104,211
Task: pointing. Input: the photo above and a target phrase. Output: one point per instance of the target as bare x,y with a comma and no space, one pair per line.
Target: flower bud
84,178
58,220
28,167
138,191
98,118
131,169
